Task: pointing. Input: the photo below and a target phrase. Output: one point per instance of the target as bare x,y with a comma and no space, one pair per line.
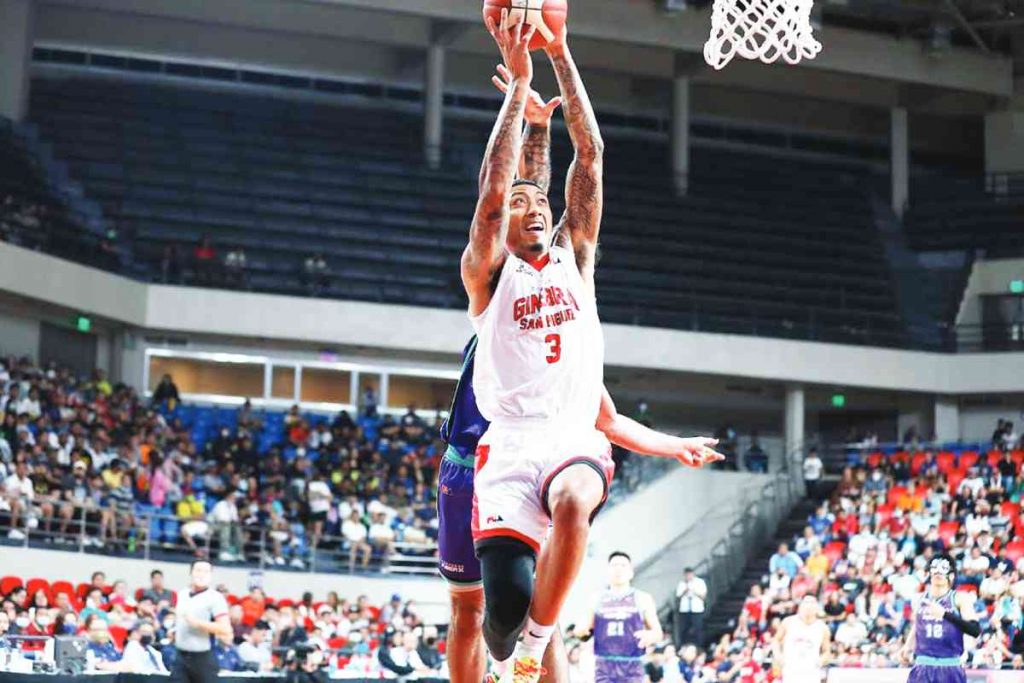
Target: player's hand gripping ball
547,16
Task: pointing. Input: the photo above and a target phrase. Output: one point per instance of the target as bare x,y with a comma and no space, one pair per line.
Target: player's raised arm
535,159
631,435
483,255
584,195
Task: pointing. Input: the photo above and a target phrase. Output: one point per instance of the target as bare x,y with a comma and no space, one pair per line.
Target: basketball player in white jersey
539,368
801,645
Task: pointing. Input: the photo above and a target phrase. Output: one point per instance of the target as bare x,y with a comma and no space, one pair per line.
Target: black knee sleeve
507,567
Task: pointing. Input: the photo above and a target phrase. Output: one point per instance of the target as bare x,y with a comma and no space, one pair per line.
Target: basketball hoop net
768,30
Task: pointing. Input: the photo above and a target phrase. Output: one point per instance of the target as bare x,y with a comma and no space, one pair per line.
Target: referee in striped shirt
202,616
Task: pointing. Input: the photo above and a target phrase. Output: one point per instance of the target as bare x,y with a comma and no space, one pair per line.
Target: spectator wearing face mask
140,656
41,626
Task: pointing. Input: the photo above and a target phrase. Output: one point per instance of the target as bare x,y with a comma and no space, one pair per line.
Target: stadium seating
746,252
956,213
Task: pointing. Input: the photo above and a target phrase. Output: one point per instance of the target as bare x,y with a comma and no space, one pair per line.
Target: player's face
939,582
529,227
808,610
620,571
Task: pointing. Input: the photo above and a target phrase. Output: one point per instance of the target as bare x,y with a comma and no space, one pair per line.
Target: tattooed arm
485,252
535,161
584,198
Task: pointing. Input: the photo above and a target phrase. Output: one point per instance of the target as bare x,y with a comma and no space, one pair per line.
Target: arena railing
755,514
152,536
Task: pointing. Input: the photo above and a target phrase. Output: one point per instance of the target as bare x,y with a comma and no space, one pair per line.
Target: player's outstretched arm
535,160
631,435
584,194
483,255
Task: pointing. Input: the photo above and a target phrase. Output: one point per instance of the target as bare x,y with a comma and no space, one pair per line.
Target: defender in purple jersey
941,618
623,625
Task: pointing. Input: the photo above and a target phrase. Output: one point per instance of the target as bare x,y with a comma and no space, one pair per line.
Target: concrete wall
54,565
977,422
1004,142
987,277
19,335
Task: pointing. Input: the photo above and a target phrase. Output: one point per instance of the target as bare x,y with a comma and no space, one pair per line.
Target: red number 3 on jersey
554,341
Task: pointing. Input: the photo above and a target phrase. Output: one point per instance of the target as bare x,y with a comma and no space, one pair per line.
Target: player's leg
508,565
556,660
573,496
467,658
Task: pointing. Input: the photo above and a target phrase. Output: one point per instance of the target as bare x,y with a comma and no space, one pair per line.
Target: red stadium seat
948,530
81,590
138,593
834,551
945,461
900,456
968,459
1015,550
915,463
118,634
1018,458
953,480
874,459
35,585
1011,510
337,643
286,602
9,583
895,492
994,456
65,588
885,511
968,588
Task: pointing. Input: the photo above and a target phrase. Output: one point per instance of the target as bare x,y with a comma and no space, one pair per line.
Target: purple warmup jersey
939,639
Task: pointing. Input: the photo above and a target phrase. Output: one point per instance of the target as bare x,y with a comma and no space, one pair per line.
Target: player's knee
508,589
575,494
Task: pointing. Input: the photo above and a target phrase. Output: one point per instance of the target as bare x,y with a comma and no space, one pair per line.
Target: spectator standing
166,393
756,459
691,593
813,469
235,265
204,258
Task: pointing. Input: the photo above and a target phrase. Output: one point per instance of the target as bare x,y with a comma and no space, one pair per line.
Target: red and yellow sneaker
527,669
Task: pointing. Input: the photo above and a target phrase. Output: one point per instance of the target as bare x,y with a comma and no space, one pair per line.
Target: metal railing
150,535
743,527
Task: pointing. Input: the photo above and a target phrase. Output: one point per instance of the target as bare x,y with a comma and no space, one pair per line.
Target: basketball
547,15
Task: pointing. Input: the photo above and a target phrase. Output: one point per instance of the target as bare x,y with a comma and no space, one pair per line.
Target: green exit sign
1017,286
83,324
838,400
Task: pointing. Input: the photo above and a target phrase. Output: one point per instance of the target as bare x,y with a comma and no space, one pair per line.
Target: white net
768,30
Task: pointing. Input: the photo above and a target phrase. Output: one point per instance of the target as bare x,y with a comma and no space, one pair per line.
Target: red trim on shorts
483,451
539,263
604,466
506,533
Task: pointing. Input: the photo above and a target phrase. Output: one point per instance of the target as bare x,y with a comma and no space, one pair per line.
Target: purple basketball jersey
616,622
939,639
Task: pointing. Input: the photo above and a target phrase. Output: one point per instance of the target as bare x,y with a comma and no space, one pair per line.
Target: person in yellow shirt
192,516
817,562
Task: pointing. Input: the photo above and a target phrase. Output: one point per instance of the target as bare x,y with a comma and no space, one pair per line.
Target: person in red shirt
253,606
205,258
41,626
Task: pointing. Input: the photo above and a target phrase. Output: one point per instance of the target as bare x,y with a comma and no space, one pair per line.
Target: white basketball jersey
540,352
801,651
